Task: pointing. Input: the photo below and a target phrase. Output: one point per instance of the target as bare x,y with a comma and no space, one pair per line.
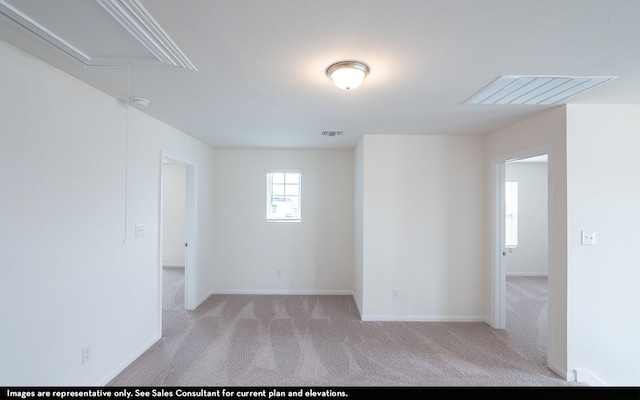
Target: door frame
497,314
190,233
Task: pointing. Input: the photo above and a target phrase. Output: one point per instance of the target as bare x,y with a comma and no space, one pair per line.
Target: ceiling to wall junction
255,71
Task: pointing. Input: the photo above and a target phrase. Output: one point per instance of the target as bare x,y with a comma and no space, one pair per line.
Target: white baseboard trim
358,306
172,265
585,376
561,372
203,299
545,274
286,292
109,377
423,318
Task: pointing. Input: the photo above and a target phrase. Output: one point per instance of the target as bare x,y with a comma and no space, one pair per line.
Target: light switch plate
588,237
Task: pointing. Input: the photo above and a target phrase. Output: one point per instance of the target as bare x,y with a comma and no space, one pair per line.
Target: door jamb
497,317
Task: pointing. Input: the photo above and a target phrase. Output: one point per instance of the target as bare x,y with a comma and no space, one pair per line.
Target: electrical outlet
395,293
279,273
86,354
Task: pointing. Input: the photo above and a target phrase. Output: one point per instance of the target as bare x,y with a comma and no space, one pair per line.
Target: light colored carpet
528,316
272,340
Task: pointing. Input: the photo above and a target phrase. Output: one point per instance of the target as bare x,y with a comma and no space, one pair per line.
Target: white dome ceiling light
347,75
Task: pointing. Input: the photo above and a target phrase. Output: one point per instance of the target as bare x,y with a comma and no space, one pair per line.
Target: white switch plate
86,354
588,237
140,230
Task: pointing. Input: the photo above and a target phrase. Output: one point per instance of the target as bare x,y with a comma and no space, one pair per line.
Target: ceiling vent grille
535,90
332,133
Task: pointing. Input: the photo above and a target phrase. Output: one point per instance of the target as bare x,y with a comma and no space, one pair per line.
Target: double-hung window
284,190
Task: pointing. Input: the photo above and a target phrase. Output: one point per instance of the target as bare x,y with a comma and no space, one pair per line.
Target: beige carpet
273,340
527,316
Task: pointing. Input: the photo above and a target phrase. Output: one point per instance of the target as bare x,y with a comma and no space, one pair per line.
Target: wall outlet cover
86,354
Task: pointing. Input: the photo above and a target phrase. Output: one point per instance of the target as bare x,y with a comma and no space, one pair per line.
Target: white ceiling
260,79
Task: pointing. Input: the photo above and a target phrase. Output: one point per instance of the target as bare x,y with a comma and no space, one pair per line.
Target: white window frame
511,214
269,203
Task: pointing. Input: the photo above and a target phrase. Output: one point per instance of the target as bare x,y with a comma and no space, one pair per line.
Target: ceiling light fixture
347,75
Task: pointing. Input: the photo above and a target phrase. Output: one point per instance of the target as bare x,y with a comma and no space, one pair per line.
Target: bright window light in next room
284,195
511,215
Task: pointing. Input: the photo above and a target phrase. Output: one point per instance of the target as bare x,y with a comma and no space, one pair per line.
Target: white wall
531,256
604,196
314,255
545,131
423,227
67,280
174,202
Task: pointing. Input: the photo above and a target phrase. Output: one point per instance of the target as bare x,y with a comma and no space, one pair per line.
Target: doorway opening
520,262
527,255
176,232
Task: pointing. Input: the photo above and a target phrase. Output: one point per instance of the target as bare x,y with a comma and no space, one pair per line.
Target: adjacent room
357,193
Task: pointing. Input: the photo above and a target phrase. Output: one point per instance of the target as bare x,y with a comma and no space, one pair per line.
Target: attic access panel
100,33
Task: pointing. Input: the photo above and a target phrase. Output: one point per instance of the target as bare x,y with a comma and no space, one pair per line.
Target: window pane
277,177
283,196
511,217
285,208
292,190
292,177
277,190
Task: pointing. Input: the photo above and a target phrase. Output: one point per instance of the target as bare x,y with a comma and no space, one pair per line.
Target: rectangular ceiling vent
332,133
535,90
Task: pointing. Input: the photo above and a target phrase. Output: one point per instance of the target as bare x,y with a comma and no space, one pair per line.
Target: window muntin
284,195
